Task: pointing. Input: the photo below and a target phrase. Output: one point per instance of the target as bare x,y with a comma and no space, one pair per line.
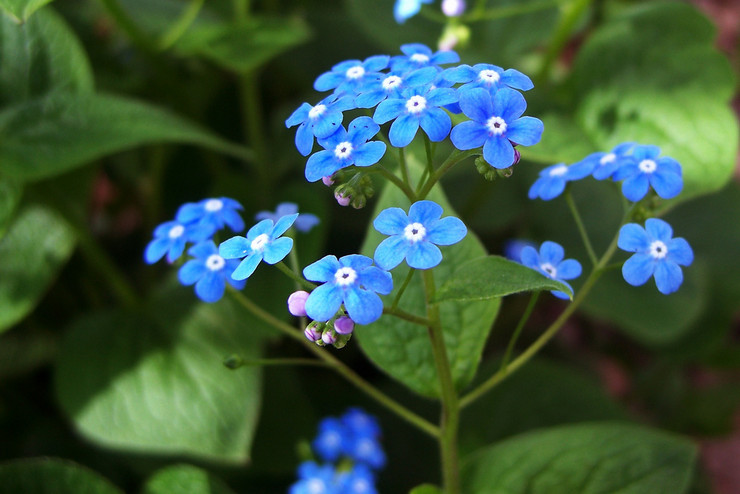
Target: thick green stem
450,419
581,227
519,328
406,316
403,412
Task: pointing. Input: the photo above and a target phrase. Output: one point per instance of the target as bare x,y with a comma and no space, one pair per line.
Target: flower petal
191,272
391,221
468,135
156,249
321,164
635,187
498,152
668,277
530,257
424,212
210,288
276,250
247,267
666,183
391,251
658,229
324,302
476,104
632,238
234,248
508,104
436,123
517,80
679,251
388,110
377,280
361,130
526,131
282,225
551,252
447,231
369,153
569,269
363,307
423,255
403,130
638,269
322,270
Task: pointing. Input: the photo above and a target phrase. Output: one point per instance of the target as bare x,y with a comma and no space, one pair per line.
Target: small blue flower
487,76
347,77
263,242
656,254
304,223
209,272
351,280
419,107
416,56
361,423
358,480
404,9
343,149
495,124
513,249
170,238
415,237
645,169
549,261
603,165
365,450
553,179
213,214
315,479
329,443
392,86
321,120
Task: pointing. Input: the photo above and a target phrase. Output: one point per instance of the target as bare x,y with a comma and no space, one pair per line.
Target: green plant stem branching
405,284
519,327
581,227
403,187
454,158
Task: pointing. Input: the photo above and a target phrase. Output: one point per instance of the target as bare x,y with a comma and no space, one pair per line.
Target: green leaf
426,489
185,478
607,458
492,277
57,133
10,195
51,476
670,87
403,349
246,46
40,56
20,10
563,142
36,246
544,394
152,381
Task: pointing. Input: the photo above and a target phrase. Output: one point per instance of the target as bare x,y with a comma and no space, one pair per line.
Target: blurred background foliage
115,112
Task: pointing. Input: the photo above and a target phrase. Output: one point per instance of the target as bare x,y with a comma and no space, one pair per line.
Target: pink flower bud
329,337
453,8
342,200
327,180
297,303
344,325
312,333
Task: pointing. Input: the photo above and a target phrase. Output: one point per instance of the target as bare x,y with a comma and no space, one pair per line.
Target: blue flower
419,106
358,480
417,56
263,242
553,179
549,261
645,169
366,450
315,479
656,254
415,237
321,120
304,223
403,9
209,272
361,423
343,149
495,124
329,443
603,165
351,280
392,85
346,77
170,238
213,214
513,249
487,76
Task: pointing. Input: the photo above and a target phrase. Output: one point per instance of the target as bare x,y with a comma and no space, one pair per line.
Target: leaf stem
181,25
571,13
403,412
403,167
519,327
406,316
396,181
405,284
294,276
581,227
454,158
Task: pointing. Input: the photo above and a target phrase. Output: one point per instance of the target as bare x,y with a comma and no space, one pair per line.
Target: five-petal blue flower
209,272
549,261
321,120
415,237
263,242
646,169
657,254
213,214
417,55
348,76
552,180
487,76
350,280
403,9
170,238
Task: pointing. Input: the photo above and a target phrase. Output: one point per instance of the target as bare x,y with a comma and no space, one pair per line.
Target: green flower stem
127,25
450,419
252,119
571,13
294,276
403,412
581,227
530,352
181,25
430,154
454,158
404,187
519,328
403,167
406,316
405,284
264,362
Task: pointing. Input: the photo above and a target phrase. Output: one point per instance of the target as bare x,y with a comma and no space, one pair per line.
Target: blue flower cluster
639,168
414,91
351,440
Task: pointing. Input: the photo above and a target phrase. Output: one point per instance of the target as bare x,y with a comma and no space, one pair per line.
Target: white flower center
391,82
415,232
549,269
559,171
316,111
496,126
607,158
416,104
213,205
316,486
647,166
258,244
176,231
355,72
658,249
364,447
489,76
360,485
343,150
345,276
215,262
419,58
333,439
